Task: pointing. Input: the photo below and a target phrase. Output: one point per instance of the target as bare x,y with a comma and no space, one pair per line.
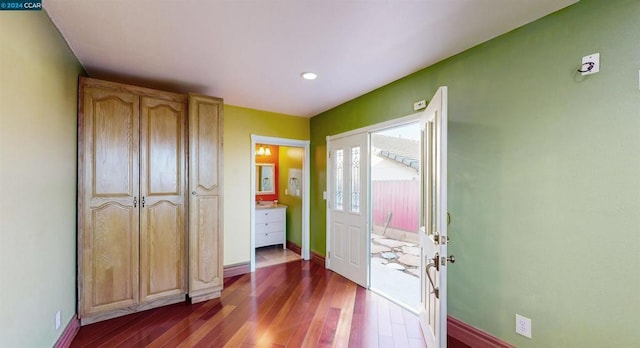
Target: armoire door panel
162,250
108,187
111,258
112,121
205,272
207,118
162,147
163,233
205,198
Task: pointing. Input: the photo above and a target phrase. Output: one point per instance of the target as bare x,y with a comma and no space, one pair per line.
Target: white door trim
396,122
305,144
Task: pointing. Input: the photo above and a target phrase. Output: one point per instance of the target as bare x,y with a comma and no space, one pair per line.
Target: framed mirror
265,178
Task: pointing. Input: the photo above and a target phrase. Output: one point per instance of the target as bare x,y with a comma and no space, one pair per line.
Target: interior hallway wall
543,175
38,108
239,124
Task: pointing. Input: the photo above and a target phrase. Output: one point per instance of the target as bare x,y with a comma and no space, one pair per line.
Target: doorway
388,241
395,209
343,233
280,189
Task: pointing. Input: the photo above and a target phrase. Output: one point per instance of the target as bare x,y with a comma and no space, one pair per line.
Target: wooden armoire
149,199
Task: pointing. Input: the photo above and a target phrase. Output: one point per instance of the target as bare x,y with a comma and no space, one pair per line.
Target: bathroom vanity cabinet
271,225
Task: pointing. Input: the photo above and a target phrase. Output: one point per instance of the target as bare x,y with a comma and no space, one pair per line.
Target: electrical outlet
58,320
419,105
523,326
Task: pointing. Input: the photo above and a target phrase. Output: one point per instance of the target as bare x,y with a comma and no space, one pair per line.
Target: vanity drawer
267,215
269,238
269,227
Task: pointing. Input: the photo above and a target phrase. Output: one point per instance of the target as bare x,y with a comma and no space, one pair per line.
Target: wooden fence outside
401,199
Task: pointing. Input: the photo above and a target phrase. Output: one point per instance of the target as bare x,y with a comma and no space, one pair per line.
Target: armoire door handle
135,201
143,201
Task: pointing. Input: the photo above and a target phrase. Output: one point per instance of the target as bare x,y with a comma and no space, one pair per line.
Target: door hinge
328,254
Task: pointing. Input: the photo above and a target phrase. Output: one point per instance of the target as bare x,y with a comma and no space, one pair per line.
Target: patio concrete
400,287
394,269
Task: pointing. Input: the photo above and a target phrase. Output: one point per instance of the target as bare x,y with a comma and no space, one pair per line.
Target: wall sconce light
263,152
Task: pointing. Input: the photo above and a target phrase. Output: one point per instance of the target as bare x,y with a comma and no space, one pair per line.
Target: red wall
270,159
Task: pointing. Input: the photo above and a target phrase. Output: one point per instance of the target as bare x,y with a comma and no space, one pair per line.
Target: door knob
451,259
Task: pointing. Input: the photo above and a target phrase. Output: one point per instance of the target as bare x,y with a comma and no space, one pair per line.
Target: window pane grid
355,179
339,189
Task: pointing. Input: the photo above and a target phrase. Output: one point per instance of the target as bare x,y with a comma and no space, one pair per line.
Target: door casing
401,121
305,144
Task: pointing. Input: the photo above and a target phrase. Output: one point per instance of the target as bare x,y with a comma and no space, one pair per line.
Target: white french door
433,233
348,207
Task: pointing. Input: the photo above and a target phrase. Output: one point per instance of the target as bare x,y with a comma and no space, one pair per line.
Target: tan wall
38,88
239,124
38,101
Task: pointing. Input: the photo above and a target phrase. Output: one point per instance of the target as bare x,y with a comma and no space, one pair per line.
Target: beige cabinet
132,199
205,198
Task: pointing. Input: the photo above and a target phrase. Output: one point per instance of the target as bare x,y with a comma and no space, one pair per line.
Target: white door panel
433,233
348,207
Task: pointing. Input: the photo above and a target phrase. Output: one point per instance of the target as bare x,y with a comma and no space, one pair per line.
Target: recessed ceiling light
309,75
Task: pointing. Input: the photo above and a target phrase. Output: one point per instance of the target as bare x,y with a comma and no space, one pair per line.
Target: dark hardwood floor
296,304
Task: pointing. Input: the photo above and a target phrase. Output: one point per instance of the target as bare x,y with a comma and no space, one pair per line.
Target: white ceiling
251,52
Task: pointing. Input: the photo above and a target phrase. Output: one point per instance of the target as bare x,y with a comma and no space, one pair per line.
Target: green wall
38,89
291,158
543,175
239,124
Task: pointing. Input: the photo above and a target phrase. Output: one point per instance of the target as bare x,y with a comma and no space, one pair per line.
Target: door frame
396,122
306,199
